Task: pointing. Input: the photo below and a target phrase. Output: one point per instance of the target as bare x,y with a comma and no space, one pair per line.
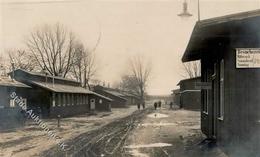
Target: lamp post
185,12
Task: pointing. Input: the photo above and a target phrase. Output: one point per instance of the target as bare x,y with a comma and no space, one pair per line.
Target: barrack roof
205,29
5,81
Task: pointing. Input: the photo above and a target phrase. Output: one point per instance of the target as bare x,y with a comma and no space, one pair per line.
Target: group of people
139,105
157,104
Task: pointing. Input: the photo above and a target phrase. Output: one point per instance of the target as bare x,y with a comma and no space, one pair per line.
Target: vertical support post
53,80
53,100
198,10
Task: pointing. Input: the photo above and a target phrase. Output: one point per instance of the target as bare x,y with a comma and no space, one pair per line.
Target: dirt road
106,141
145,133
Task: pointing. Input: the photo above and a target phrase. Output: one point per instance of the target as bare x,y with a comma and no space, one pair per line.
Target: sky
128,28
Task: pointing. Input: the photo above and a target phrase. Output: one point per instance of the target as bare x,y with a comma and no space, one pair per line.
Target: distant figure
171,104
143,104
159,104
138,106
155,105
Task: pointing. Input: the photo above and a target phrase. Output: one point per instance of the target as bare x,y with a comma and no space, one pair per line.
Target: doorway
215,101
92,104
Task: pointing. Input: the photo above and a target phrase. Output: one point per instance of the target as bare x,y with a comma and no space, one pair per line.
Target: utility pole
198,10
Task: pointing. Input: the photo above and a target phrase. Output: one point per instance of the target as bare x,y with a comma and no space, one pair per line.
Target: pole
46,79
53,80
198,10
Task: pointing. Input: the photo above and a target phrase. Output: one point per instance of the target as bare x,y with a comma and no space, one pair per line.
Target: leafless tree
191,69
22,60
140,70
84,67
3,67
129,84
53,48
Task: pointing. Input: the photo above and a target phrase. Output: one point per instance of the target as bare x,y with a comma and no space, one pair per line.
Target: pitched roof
4,81
189,79
228,18
102,96
43,75
176,91
214,28
115,93
129,94
61,88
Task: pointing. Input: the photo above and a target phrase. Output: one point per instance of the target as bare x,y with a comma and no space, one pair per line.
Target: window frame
206,94
12,103
221,111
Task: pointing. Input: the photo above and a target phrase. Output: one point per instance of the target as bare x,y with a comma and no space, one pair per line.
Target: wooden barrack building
230,111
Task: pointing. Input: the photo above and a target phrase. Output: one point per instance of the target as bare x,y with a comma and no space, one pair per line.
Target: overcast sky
148,27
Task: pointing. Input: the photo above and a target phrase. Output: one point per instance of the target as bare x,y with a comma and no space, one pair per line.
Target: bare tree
22,60
84,67
53,48
140,70
191,69
128,83
3,67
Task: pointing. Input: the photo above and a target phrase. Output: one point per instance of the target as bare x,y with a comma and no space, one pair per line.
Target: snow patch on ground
152,145
136,153
158,124
157,115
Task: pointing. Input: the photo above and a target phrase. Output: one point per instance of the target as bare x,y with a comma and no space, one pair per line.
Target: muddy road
106,141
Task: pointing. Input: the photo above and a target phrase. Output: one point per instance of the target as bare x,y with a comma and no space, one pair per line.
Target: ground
31,140
123,133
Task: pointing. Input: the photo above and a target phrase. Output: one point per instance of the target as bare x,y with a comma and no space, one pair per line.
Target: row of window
64,99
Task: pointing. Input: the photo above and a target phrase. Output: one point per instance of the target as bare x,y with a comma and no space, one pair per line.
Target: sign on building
248,58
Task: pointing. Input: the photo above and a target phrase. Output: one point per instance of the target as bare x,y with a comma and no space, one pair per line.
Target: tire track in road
105,141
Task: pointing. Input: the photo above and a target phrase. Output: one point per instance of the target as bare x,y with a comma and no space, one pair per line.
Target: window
77,99
54,99
81,99
72,99
68,99
221,104
64,99
12,103
206,92
86,99
59,100
100,101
